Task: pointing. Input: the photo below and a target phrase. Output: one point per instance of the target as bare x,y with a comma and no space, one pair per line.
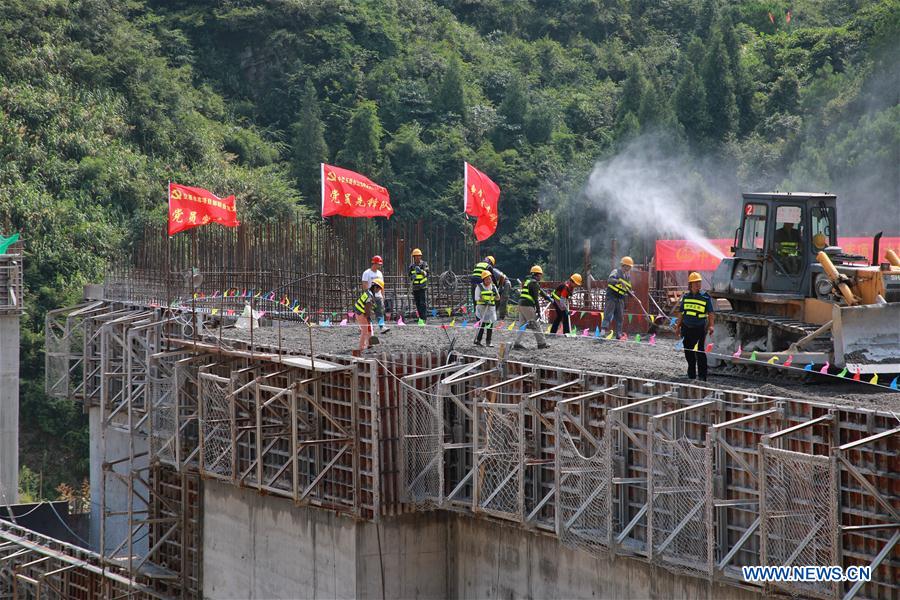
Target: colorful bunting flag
772,360
511,327
679,345
586,333
697,347
790,360
653,339
597,331
893,385
753,355
808,367
709,347
421,323
400,322
637,338
874,380
843,372
343,322
737,354
609,335
449,311
856,376
624,337
824,369
433,312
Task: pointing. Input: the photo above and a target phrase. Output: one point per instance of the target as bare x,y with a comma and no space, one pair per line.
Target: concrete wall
9,409
265,547
113,448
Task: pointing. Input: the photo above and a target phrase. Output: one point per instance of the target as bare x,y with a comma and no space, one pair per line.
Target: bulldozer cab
783,232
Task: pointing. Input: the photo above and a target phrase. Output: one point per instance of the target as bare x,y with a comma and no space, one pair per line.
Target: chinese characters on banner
481,197
191,207
352,195
684,255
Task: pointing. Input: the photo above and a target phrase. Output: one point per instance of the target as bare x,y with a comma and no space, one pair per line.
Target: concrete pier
258,546
10,311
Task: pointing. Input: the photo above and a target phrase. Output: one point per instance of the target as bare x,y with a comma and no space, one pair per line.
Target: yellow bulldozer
793,291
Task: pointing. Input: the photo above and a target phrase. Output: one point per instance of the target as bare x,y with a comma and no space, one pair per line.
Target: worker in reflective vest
618,288
475,280
695,321
418,277
486,307
365,312
528,308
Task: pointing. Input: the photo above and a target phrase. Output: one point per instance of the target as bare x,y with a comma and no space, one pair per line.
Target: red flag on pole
481,197
193,206
352,195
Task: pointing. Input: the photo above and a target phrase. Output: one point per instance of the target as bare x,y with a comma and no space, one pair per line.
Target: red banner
352,195
683,255
482,197
193,206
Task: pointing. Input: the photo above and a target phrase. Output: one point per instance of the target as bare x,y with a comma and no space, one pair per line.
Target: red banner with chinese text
352,195
482,197
192,206
683,255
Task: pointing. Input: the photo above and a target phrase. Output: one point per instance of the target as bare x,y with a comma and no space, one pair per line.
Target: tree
450,98
362,145
513,109
719,86
689,103
633,89
785,94
743,87
308,141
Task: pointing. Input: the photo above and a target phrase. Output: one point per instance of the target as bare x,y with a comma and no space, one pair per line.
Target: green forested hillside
103,101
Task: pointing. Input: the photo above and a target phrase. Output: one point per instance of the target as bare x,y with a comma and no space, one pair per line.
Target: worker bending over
694,322
418,277
486,265
618,288
365,312
528,308
486,307
371,274
562,299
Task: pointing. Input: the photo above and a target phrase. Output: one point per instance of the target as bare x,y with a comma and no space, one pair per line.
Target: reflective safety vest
695,308
487,298
621,286
365,298
480,268
418,276
525,297
788,248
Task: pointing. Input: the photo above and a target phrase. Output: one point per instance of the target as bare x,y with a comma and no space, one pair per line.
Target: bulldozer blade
867,338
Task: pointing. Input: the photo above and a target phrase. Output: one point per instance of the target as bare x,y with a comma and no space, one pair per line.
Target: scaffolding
691,479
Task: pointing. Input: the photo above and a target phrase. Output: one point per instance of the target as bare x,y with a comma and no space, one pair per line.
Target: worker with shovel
528,304
485,307
561,298
365,312
618,288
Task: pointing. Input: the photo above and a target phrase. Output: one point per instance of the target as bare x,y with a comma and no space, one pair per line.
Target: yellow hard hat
820,241
491,260
576,278
695,276
537,270
627,260
379,283
417,252
486,275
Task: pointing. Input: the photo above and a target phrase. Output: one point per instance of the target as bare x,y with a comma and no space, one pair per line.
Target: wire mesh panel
583,493
680,503
798,525
216,426
422,452
499,460
163,384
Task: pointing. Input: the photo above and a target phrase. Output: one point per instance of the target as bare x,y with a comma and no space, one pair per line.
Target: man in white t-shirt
368,276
